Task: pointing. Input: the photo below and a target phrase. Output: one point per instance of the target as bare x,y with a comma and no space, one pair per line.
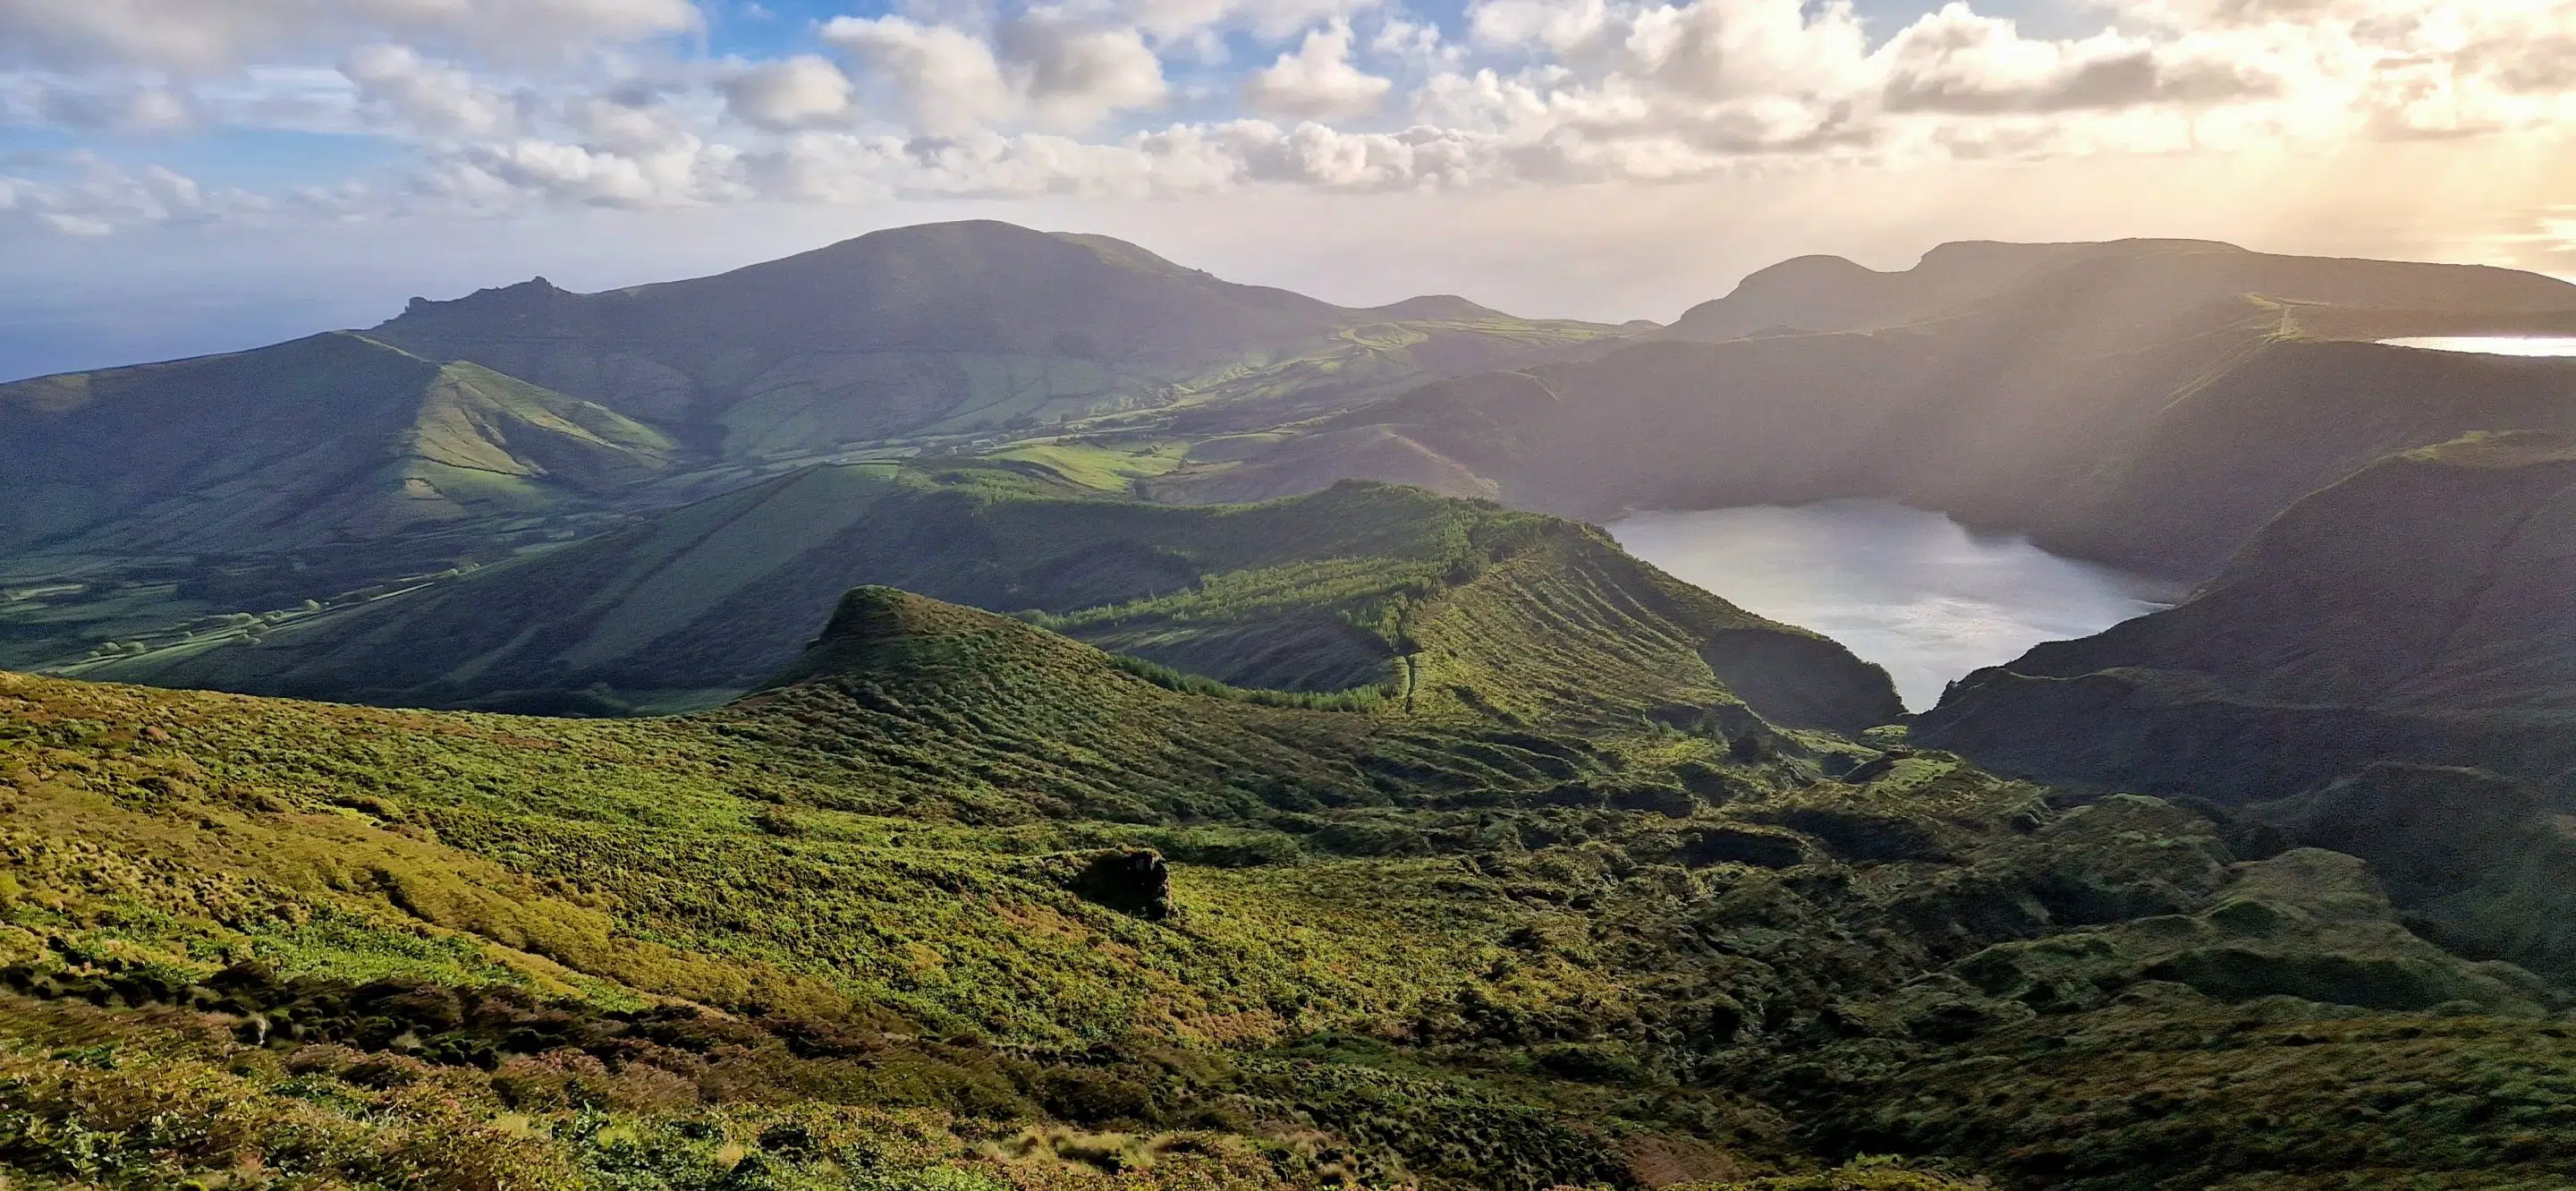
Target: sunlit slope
896,914
1444,606
2123,406
948,329
2417,611
333,437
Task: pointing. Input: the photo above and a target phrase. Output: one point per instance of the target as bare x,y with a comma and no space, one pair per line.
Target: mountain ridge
1828,293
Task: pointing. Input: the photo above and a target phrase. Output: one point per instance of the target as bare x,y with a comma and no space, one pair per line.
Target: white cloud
1559,28
512,175
1043,68
1957,61
946,80
1317,80
1415,43
433,97
1071,75
192,36
631,125
799,92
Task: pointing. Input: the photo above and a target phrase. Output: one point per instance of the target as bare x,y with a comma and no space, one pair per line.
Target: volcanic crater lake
1910,590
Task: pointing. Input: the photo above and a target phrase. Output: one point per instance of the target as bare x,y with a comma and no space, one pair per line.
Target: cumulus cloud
1071,75
1041,67
433,97
511,175
945,80
797,92
1957,61
1317,79
1416,43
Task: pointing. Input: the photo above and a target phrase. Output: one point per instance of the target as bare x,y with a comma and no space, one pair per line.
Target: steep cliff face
2417,611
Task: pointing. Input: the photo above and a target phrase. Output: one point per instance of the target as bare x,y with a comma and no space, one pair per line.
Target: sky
181,176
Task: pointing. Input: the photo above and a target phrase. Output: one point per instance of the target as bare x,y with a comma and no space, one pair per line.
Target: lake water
2493,345
1910,590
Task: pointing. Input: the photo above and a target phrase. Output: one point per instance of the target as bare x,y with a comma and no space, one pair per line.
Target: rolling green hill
334,437
961,903
1444,606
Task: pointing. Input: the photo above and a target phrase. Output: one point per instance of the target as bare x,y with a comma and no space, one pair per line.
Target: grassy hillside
334,437
962,903
948,330
1438,606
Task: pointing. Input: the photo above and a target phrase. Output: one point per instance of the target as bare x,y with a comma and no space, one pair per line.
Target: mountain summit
941,326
